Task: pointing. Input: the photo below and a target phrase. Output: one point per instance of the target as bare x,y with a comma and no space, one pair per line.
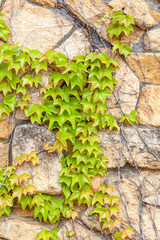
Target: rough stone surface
13,228
146,66
43,25
44,177
131,186
90,12
149,106
81,232
145,17
50,3
112,146
43,28
151,40
3,154
127,88
76,44
6,127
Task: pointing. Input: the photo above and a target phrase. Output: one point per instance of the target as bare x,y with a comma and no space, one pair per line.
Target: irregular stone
96,182
75,45
145,17
91,221
128,90
44,177
151,40
46,3
152,200
133,188
146,66
13,228
81,232
90,12
112,147
149,106
43,28
3,154
6,127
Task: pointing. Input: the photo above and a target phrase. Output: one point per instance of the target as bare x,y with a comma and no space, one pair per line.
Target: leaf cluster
73,104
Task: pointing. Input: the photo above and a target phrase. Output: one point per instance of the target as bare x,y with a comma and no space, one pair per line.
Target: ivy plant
74,105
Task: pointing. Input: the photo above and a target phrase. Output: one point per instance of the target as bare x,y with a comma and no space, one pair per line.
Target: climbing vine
74,104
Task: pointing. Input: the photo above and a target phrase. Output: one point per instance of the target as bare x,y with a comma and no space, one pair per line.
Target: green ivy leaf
37,65
10,101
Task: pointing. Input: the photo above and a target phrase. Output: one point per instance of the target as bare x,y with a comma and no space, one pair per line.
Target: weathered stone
135,188
13,228
6,127
112,147
96,182
151,40
127,89
46,3
149,106
81,232
90,12
75,45
43,28
44,177
145,17
3,154
91,221
146,66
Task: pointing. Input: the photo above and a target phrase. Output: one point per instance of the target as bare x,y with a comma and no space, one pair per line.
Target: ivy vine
74,104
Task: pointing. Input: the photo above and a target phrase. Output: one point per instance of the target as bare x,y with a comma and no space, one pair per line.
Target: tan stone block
134,189
81,232
149,106
127,89
76,44
145,17
6,127
35,27
146,66
18,228
46,3
45,177
90,12
96,182
4,148
152,41
112,147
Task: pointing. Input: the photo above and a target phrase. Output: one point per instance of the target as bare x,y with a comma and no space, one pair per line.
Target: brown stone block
145,17
42,30
3,154
149,106
6,127
146,66
152,40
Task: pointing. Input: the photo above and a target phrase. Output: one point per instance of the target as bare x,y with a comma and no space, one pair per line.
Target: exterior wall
134,153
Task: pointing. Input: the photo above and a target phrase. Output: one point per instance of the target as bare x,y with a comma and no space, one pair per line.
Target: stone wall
70,26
